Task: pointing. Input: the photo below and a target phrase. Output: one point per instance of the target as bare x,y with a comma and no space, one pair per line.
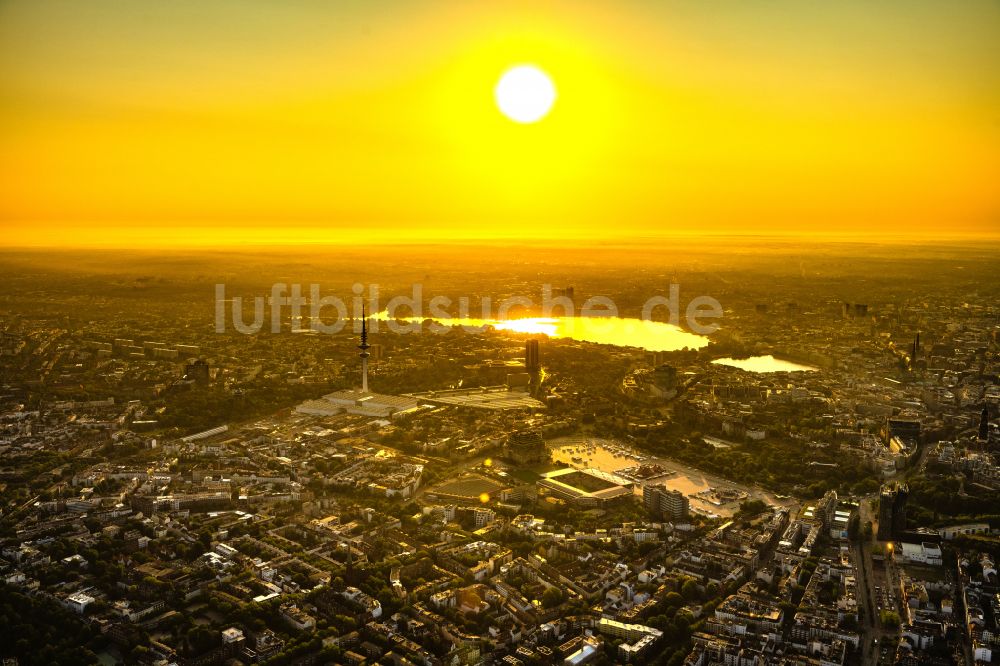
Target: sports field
467,487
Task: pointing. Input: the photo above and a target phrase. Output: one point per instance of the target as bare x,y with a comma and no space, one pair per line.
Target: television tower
364,347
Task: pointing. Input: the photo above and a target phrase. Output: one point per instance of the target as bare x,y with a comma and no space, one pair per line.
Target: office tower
525,446
199,371
854,310
532,360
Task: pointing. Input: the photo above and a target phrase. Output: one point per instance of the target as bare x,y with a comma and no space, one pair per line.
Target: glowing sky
211,120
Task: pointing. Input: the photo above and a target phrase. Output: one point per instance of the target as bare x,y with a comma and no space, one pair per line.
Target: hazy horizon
226,239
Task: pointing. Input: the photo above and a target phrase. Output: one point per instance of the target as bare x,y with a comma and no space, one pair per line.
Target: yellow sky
226,120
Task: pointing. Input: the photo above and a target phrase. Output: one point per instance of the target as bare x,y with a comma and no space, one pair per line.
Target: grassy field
468,487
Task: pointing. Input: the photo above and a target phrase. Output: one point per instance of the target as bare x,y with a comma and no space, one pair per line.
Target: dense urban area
815,483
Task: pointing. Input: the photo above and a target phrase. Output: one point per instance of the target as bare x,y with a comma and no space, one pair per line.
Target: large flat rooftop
360,402
494,397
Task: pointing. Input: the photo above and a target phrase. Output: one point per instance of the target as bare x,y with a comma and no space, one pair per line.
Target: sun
525,94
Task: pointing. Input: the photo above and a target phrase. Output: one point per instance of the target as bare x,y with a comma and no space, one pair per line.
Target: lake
764,364
621,331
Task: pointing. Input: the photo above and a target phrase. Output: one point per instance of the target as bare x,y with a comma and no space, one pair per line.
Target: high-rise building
532,360
671,504
984,424
525,446
563,292
656,358
199,371
892,510
854,310
665,376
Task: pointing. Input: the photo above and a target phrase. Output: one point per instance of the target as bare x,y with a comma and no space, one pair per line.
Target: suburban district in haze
441,333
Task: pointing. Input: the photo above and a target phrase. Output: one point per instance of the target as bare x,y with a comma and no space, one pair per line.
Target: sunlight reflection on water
626,332
764,364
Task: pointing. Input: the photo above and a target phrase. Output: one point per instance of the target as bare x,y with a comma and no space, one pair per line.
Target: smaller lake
764,364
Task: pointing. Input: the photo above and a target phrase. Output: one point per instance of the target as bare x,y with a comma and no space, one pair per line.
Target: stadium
587,487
